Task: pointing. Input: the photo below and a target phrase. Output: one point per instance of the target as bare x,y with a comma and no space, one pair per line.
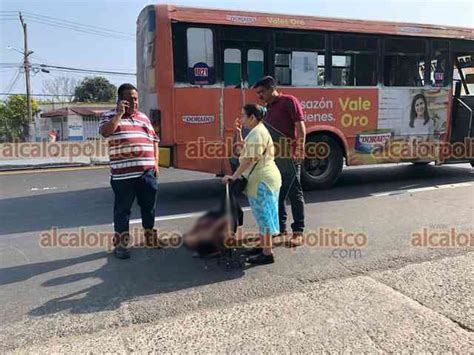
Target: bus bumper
165,157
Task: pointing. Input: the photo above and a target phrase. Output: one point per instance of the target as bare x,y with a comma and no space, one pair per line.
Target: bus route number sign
201,74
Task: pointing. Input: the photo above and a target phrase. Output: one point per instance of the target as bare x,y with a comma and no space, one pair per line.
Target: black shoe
261,259
121,253
252,251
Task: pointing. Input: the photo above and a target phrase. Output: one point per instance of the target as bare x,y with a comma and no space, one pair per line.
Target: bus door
462,125
244,65
234,82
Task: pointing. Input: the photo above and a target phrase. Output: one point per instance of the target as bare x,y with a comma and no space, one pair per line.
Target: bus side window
305,69
354,60
282,68
439,63
200,45
342,73
404,62
179,53
255,63
299,58
232,67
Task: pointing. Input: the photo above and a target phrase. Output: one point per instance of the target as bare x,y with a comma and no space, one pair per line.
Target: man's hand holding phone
122,107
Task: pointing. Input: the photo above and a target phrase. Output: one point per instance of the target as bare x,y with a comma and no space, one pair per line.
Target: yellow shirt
258,142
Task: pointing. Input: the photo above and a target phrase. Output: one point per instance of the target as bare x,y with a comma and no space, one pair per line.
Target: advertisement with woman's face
406,117
419,113
420,122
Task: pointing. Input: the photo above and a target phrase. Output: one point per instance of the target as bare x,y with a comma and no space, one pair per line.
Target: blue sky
64,47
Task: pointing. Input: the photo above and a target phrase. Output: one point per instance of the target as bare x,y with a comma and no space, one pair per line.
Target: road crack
377,346
459,324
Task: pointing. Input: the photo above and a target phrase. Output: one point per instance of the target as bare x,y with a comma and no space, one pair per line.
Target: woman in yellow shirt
264,181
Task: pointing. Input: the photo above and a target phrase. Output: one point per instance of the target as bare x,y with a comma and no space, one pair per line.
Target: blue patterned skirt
265,210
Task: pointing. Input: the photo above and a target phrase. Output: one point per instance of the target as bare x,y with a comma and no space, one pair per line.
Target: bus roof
255,19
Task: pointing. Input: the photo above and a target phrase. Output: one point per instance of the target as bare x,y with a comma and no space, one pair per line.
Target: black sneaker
121,253
252,251
261,259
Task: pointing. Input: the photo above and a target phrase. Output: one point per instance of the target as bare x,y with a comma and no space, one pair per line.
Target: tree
60,86
14,118
95,89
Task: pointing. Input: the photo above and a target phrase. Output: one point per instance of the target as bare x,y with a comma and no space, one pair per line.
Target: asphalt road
47,292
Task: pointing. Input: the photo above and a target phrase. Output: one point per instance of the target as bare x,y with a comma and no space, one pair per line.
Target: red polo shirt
131,146
283,113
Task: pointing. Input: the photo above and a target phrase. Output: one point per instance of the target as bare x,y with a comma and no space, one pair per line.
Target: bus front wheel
323,163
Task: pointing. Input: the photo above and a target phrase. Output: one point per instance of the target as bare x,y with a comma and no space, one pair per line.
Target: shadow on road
148,272
94,206
152,272
363,182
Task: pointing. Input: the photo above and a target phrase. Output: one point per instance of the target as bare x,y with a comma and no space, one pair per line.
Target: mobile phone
119,99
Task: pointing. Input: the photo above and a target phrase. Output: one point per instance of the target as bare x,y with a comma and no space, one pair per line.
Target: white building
73,123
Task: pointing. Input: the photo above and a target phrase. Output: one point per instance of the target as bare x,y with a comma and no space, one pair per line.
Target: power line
48,62
82,30
68,22
13,82
67,69
44,60
79,76
60,68
45,95
15,77
9,65
70,25
4,16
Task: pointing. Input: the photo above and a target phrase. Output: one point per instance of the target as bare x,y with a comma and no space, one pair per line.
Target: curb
48,166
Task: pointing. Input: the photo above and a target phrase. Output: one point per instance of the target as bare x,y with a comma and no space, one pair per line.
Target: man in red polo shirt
285,121
133,151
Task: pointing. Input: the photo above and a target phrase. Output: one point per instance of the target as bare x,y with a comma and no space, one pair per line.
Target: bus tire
472,163
318,173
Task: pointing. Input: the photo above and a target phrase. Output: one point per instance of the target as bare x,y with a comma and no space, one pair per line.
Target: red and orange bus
375,92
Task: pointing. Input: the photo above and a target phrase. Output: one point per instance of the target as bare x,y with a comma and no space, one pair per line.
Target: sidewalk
13,164
46,154
426,307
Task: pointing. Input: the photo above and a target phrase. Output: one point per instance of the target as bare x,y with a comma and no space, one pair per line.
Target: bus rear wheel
323,163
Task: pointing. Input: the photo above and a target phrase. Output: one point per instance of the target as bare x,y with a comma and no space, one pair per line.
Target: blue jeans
144,188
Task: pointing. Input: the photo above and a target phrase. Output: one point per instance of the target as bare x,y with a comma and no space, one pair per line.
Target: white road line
48,170
177,216
461,184
43,188
420,189
245,209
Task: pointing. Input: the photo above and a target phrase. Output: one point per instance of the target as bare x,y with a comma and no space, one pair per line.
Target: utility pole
26,64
